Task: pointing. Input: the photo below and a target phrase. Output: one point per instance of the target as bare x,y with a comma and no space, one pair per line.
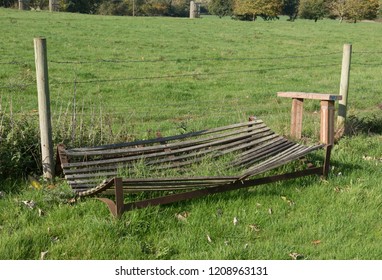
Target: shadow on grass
363,125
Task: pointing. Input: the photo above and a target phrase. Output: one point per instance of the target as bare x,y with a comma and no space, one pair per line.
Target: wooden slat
168,146
169,138
258,150
295,152
268,151
307,95
164,153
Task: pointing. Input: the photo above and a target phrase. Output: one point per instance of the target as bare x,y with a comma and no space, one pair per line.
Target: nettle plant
19,145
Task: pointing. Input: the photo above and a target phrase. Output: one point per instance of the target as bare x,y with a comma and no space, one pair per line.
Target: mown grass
131,77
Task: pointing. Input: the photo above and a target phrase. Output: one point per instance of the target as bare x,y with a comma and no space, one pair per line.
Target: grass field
114,78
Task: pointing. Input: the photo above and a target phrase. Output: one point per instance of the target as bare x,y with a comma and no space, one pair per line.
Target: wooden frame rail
327,113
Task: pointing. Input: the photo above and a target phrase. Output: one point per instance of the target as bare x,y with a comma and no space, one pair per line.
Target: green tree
290,8
80,6
8,3
38,4
117,8
251,9
338,8
354,10
312,9
221,8
361,9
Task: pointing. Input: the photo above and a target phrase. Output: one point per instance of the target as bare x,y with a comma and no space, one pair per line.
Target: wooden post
52,6
344,89
296,118
194,9
21,5
41,62
119,204
327,113
327,122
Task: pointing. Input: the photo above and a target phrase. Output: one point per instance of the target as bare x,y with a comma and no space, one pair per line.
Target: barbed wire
367,64
193,74
164,60
193,59
18,86
14,62
172,76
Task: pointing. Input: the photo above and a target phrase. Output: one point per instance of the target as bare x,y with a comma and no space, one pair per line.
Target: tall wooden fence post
192,9
41,62
52,5
21,5
344,89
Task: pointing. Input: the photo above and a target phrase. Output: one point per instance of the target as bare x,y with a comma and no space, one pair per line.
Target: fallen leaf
209,238
43,254
289,201
254,227
29,203
34,182
235,220
71,201
296,256
182,216
54,239
40,212
316,242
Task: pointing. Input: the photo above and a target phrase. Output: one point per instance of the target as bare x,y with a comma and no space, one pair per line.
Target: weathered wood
119,204
296,118
165,153
262,154
327,113
53,6
194,9
22,5
92,171
168,138
306,95
292,153
344,89
140,149
327,122
41,62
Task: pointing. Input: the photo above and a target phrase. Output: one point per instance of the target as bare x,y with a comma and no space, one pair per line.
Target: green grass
134,76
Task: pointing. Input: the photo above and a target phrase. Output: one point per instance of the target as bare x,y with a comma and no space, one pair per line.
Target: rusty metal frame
118,207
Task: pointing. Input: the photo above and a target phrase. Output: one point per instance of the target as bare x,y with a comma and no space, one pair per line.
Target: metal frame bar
118,208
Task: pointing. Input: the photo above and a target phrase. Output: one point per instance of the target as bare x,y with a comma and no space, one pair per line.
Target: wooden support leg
296,118
119,197
326,167
327,122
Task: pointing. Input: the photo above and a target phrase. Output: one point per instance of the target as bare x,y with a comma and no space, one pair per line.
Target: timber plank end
307,95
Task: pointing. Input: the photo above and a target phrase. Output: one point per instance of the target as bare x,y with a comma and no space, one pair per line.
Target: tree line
351,10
